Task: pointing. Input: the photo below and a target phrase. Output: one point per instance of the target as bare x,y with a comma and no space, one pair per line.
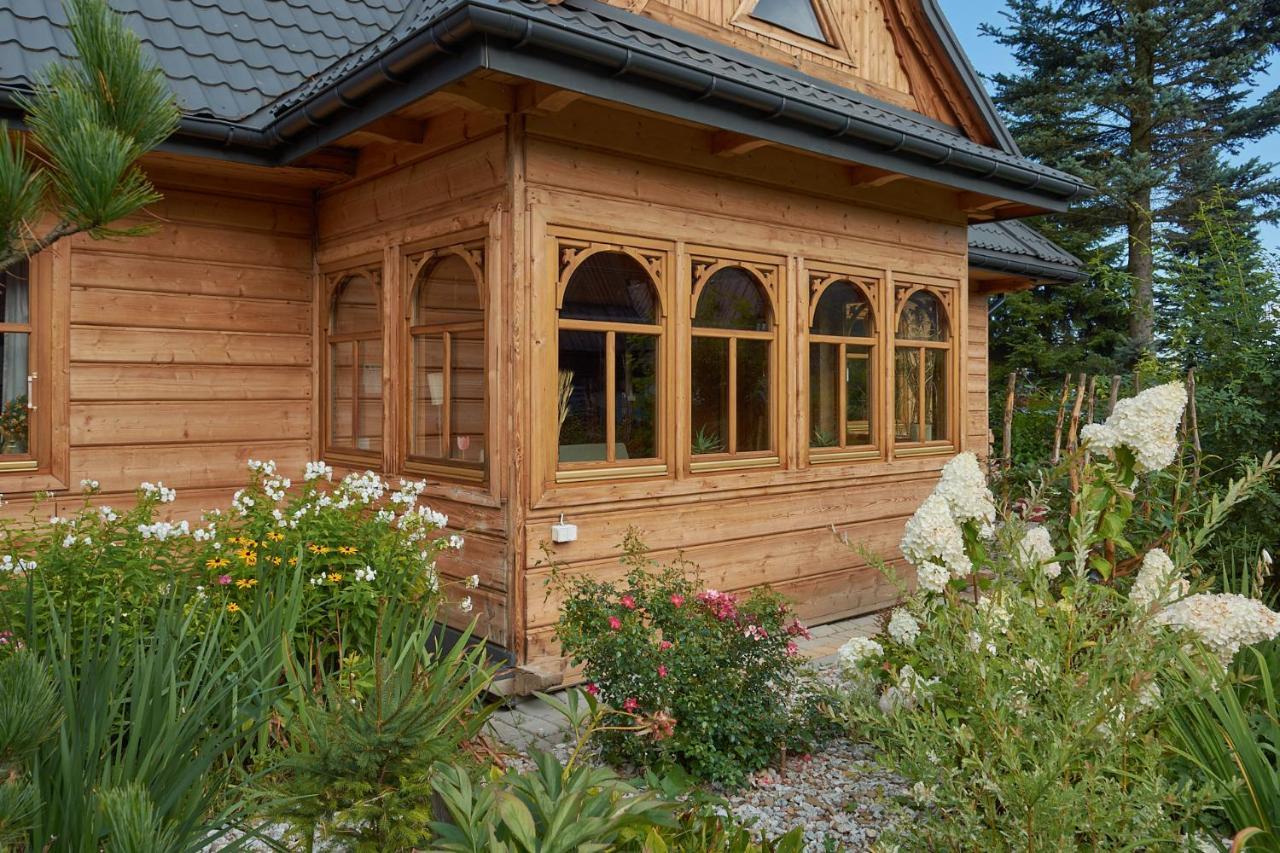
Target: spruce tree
90,121
1142,98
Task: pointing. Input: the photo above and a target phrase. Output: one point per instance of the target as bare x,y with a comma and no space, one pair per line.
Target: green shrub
705,680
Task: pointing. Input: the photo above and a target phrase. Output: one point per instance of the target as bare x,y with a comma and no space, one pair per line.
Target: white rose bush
1028,678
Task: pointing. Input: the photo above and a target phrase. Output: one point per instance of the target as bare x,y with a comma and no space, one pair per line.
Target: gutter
1035,269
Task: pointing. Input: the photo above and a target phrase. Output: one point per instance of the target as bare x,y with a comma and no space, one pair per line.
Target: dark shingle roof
225,59
1014,247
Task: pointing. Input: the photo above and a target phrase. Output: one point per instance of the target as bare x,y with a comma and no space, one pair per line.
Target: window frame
47,463
768,273
334,279
821,279
474,253
833,47
946,294
570,249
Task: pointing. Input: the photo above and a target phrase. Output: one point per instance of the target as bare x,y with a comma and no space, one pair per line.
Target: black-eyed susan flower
246,583
275,536
346,550
233,608
335,577
217,563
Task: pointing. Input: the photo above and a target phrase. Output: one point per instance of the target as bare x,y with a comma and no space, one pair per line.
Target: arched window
448,423
922,369
842,368
732,370
608,361
353,351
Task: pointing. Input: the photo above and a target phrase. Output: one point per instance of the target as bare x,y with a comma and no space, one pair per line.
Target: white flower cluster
932,577
317,470
1147,424
472,582
1225,621
903,627
267,468
1158,582
1036,549
166,495
205,534
366,574
964,487
465,605
366,488
107,513
995,614
910,690
90,485
856,652
932,535
9,565
455,542
408,492
162,530
242,502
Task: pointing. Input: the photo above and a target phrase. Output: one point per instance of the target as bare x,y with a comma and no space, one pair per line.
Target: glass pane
341,365
466,397
448,293
582,396
15,302
935,395
798,16
843,310
922,318
906,385
733,299
356,308
710,395
14,427
611,287
636,373
857,402
824,395
369,428
428,396
755,430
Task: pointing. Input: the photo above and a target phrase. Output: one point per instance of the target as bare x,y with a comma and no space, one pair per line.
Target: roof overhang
1035,270
610,54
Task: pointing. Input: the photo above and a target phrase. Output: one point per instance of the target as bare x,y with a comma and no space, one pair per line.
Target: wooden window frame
768,273
473,253
834,47
948,297
333,280
47,464
570,248
821,278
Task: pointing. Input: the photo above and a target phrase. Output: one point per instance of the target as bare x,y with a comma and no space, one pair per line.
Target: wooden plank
122,424
206,243
184,466
124,382
120,269
98,306
235,213
99,344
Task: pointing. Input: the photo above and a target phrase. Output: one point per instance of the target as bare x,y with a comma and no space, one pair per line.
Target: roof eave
1038,270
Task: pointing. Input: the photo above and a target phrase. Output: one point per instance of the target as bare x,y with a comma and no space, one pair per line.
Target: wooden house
715,269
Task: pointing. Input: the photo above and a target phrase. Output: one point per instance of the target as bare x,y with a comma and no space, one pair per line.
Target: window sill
924,450
445,471
620,472
733,463
823,457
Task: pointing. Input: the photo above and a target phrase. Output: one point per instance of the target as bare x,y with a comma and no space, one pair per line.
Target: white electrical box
564,532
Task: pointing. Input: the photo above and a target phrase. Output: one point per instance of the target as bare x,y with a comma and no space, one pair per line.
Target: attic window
798,16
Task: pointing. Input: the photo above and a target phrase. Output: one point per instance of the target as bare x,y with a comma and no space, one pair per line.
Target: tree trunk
1139,216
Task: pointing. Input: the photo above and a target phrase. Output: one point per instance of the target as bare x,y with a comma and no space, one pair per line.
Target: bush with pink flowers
709,681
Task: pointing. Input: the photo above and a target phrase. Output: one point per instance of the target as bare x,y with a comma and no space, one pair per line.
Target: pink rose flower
615,623
224,579
677,599
630,704
792,650
662,671
664,645
628,602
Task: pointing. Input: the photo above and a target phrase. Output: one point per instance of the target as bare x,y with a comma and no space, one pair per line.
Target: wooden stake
1093,395
1062,415
1115,395
1073,438
1194,423
1007,439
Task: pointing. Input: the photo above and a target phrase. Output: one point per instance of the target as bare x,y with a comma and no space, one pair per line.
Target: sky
988,57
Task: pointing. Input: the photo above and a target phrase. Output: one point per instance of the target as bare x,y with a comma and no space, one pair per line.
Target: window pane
448,293
582,396
428,395
906,384
15,303
798,16
636,372
356,307
754,427
710,395
843,310
14,426
733,299
824,395
466,402
341,365
935,395
610,287
369,429
922,318
857,377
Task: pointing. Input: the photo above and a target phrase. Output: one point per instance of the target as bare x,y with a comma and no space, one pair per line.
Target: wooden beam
870,176
333,160
978,203
396,129
480,95
540,99
725,143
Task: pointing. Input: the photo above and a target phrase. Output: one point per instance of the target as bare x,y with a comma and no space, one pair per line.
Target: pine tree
1142,98
90,121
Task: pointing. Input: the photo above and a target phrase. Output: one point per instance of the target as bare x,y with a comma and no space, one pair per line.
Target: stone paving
529,722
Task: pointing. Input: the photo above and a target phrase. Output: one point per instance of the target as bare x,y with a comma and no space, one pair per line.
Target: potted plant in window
13,426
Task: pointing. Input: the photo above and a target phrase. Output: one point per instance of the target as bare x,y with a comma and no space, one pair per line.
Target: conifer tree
90,120
1143,98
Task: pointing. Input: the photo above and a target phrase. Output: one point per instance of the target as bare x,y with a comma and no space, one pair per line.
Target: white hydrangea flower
856,652
1147,424
994,612
1158,581
933,535
932,577
903,627
964,487
1224,621
1036,549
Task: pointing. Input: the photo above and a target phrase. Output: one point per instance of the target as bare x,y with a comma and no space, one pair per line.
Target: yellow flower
217,563
234,540
335,577
346,550
245,583
293,561
275,536
246,555
318,549
233,608
248,543
275,561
